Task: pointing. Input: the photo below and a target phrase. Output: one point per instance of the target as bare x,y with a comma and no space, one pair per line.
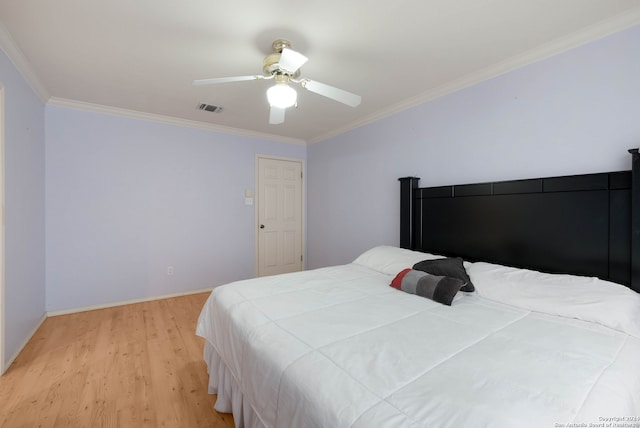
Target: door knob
262,226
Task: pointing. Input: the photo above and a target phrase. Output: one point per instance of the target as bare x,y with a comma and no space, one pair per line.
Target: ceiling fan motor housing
271,63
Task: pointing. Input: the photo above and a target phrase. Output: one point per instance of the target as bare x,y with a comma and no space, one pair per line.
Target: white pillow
584,298
391,260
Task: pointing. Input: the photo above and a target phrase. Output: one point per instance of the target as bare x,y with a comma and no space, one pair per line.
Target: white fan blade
336,94
276,116
226,79
291,61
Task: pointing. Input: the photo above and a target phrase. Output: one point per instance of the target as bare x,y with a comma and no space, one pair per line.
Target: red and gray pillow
441,289
452,267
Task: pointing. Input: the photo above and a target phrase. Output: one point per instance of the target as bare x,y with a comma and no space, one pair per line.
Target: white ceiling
139,57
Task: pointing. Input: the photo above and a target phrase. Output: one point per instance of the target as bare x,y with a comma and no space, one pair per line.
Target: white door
279,209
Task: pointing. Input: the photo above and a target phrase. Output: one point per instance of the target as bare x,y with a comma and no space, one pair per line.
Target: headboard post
635,219
407,186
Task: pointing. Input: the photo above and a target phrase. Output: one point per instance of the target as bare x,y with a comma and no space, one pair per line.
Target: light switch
248,201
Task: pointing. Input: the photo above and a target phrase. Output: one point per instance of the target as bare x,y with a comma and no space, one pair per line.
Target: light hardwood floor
137,365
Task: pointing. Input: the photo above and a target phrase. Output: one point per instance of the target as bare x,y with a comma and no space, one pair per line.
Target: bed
549,336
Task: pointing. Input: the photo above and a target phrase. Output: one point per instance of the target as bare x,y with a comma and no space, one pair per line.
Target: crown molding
8,45
168,120
590,34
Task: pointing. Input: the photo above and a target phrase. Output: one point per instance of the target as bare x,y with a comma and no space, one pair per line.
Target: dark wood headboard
580,224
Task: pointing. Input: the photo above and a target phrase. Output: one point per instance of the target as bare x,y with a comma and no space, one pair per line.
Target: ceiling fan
283,66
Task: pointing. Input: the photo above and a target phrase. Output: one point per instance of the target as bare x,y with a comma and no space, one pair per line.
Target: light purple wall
24,207
577,112
127,198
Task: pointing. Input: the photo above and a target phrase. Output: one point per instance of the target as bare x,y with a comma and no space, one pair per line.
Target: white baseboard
126,302
8,363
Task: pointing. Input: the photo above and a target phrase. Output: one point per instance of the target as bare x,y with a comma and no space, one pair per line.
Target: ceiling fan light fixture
282,95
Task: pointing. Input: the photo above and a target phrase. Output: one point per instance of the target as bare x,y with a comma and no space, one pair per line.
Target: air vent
211,108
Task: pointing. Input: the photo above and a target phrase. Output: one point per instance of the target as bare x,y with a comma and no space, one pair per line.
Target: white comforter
338,347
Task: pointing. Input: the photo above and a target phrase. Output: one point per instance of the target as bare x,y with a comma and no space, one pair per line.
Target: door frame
256,210
2,223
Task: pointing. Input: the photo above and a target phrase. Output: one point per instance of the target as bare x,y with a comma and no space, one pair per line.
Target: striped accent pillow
441,289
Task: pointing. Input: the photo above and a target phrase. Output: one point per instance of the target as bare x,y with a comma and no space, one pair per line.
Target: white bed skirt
230,398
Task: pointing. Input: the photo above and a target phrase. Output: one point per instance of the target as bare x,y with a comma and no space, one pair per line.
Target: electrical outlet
170,270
